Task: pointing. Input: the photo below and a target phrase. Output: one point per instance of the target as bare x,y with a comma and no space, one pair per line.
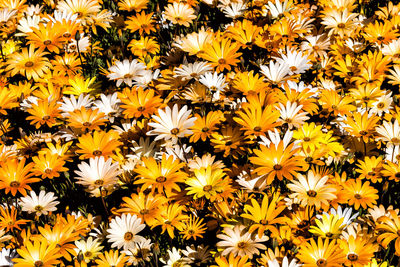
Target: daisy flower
39,204
98,173
123,231
312,190
180,13
240,243
172,124
126,71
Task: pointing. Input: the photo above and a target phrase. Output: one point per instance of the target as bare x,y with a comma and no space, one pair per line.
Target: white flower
82,45
234,10
275,72
290,114
98,173
296,61
240,242
172,124
192,70
285,263
6,256
126,71
197,256
123,231
71,104
175,259
42,204
346,214
278,8
389,132
109,105
140,253
214,81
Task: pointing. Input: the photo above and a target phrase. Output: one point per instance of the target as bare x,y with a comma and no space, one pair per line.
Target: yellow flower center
144,211
14,184
99,182
29,64
161,179
293,68
38,208
97,153
241,245
341,25
207,188
352,256
277,167
395,140
175,131
311,193
380,105
321,262
128,236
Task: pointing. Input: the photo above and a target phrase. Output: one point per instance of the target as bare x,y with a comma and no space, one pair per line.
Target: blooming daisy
39,204
172,124
240,242
126,71
123,231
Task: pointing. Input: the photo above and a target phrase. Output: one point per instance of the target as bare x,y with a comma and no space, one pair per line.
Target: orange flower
100,143
15,176
44,112
48,165
204,126
222,54
139,102
86,119
161,176
8,219
360,194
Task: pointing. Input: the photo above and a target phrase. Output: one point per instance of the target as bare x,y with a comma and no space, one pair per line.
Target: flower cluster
199,133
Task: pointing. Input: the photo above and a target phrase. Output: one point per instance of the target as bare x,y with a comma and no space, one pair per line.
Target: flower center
277,167
380,105
241,245
99,182
141,108
144,211
397,175
38,208
66,35
257,129
293,68
128,236
38,263
395,140
47,171
161,179
352,256
321,262
88,254
221,61
97,153
29,64
264,222
14,184
341,25
381,38
86,124
311,193
308,159
207,188
45,118
205,129
328,234
357,196
47,42
127,76
175,131
363,132
306,139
